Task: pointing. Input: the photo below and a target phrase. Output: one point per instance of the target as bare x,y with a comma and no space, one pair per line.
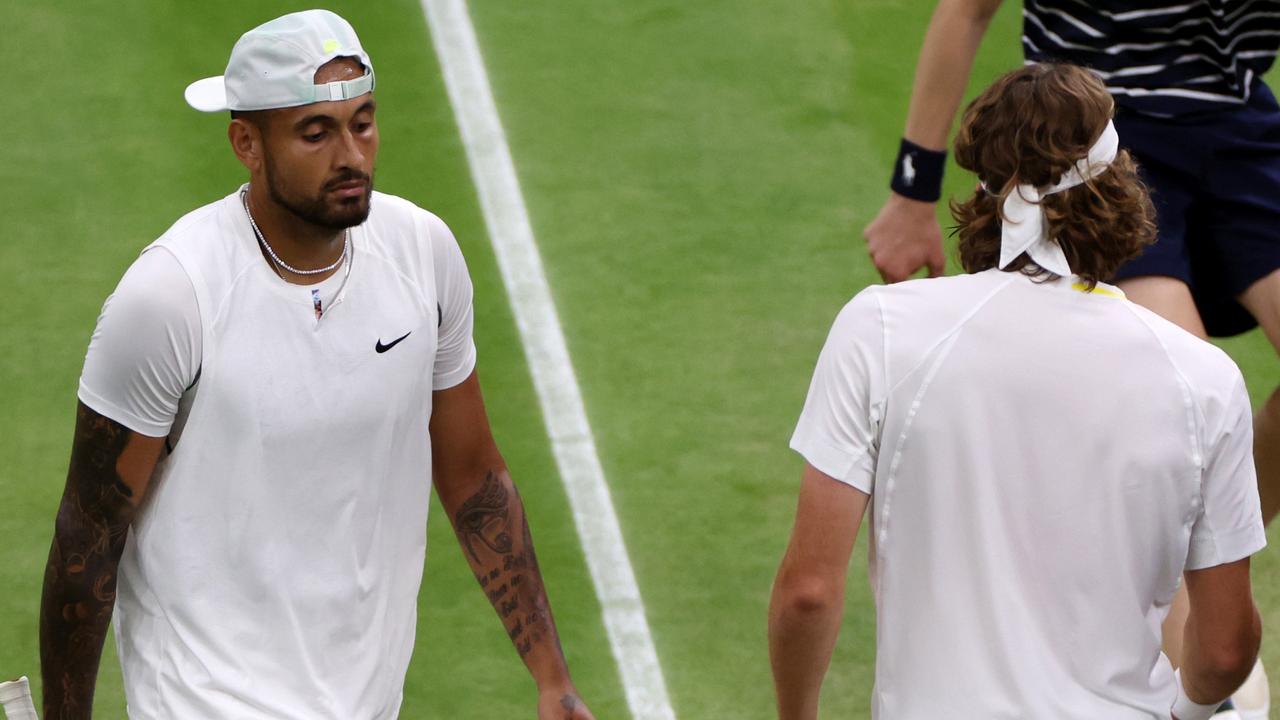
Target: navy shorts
1215,182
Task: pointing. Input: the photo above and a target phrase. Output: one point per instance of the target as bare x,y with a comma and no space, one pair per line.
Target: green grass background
697,174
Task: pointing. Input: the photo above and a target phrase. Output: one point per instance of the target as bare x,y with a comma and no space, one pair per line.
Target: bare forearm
802,636
950,45
1209,680
80,578
494,533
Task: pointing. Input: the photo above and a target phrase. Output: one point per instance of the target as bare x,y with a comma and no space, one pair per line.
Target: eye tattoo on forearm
484,517
508,574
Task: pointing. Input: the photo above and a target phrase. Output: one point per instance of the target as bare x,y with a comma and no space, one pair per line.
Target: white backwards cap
274,66
1024,228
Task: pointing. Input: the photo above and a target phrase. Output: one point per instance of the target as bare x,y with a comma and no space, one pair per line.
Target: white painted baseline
572,443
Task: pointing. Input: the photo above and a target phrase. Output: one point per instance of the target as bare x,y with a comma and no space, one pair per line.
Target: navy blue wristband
917,173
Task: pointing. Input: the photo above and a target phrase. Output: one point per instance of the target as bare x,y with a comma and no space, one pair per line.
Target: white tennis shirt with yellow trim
1043,464
273,568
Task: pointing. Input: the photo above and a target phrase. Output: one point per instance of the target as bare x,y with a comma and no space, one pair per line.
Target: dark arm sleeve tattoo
494,532
80,579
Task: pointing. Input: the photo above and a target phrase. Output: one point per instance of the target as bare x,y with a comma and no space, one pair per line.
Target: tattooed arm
110,469
488,518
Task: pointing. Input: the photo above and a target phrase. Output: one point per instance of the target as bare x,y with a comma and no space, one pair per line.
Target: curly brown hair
1029,127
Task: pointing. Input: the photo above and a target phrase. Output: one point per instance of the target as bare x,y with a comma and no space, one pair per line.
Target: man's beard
346,213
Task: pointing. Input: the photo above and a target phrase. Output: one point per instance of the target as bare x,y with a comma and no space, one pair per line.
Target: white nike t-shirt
274,566
1043,464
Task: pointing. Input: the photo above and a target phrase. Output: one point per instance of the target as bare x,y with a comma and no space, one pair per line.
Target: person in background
1043,460
1193,110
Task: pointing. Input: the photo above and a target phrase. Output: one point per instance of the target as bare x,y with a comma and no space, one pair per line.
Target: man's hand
562,704
904,237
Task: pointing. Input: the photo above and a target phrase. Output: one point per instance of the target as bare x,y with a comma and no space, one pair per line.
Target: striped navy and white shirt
1160,57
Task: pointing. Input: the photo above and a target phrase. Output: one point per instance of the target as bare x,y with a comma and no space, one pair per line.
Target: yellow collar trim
1105,291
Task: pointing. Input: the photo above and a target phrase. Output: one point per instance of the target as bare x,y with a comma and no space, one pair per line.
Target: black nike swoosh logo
383,348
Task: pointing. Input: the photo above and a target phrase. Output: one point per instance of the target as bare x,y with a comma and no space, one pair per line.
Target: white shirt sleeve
1229,524
838,428
145,351
455,349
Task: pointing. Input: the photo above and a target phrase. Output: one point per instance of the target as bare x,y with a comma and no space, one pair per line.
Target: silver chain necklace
346,245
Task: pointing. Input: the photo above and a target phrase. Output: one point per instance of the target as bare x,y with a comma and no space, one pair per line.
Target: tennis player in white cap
266,401
1043,459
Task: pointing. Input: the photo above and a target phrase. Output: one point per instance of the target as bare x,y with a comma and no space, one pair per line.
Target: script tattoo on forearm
80,578
504,562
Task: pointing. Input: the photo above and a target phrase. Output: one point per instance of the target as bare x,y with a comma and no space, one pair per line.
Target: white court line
575,450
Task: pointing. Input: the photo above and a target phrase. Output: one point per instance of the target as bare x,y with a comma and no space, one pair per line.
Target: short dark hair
256,117
1030,127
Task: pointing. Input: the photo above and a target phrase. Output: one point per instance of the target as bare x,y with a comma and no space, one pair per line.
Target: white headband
1023,229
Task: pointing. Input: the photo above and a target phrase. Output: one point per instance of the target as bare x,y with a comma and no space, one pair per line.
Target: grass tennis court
697,175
